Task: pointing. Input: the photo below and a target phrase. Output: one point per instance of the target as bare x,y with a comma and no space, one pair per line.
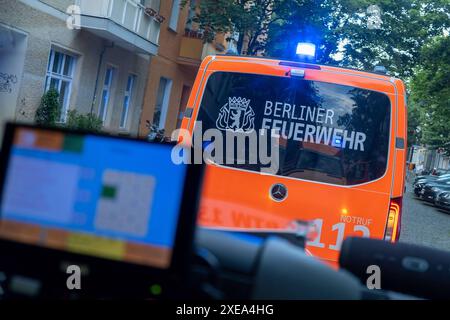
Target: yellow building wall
178,59
166,65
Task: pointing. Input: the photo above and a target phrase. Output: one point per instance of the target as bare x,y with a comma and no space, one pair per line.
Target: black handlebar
406,268
274,268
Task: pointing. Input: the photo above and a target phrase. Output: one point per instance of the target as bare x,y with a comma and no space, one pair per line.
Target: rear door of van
333,128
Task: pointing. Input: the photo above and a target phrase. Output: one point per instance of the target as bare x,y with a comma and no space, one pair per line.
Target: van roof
300,64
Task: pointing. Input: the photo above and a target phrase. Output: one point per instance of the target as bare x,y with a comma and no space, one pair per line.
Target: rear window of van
327,132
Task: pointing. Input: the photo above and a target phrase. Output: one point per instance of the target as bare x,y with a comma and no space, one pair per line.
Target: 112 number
340,228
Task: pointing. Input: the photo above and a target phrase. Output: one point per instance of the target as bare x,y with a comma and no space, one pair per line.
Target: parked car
432,190
443,200
420,185
423,178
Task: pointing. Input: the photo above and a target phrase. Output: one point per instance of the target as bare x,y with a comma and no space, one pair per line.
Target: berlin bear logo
237,115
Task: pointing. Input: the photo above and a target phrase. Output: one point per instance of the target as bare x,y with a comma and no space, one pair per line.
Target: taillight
393,225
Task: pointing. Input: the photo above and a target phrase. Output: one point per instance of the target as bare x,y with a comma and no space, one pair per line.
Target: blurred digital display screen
111,198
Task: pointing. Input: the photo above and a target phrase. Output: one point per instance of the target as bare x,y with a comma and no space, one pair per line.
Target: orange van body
236,199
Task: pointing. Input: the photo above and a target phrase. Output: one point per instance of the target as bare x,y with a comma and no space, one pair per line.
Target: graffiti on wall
7,81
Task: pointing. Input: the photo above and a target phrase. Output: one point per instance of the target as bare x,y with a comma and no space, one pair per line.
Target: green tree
49,110
371,32
405,26
250,18
430,93
277,25
305,20
414,125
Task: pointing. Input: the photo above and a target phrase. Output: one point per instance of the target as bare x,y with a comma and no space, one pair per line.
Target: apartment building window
183,103
191,15
162,102
60,72
106,93
173,23
127,100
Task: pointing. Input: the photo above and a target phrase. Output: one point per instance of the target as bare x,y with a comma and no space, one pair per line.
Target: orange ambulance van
341,139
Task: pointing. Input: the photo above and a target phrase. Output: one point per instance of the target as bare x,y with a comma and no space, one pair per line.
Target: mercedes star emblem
278,192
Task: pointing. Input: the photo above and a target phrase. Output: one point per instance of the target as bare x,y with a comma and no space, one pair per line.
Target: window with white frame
106,93
173,23
127,100
60,71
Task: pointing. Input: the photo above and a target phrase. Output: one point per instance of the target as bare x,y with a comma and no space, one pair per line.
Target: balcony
191,49
124,22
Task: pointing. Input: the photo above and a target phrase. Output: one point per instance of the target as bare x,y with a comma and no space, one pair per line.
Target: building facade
95,53
428,159
172,72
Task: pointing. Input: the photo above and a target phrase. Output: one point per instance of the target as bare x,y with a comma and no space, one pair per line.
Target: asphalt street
424,224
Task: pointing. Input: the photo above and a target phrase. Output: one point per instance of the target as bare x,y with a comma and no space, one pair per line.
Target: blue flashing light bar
306,49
